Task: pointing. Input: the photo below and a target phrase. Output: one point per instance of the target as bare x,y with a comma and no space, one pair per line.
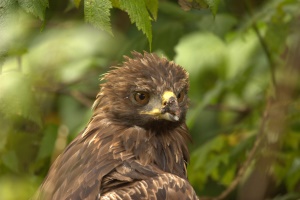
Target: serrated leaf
152,6
36,7
139,15
97,12
213,5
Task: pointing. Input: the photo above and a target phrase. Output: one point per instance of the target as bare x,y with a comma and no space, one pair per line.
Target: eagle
135,144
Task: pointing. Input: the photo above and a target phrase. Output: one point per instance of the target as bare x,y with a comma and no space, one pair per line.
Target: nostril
165,103
163,110
172,100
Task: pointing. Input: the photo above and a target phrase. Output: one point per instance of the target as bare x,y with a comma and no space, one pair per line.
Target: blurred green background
234,51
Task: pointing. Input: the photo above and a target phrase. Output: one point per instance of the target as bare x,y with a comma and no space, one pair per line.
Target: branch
244,167
272,127
263,45
77,95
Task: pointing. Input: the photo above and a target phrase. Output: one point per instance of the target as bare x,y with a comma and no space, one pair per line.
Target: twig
244,167
263,45
228,108
80,97
273,123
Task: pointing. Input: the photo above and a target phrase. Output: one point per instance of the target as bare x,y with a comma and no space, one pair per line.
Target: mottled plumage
134,146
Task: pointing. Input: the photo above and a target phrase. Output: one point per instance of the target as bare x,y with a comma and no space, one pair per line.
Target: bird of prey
135,144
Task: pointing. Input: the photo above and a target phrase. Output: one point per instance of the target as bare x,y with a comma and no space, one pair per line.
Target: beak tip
176,118
170,117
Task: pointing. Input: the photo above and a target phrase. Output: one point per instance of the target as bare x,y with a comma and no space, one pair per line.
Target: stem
263,45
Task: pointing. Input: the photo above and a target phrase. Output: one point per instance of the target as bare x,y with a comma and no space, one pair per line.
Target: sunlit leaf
139,15
204,56
213,5
36,7
211,165
18,187
97,12
228,176
208,159
201,154
152,6
57,69
77,3
115,3
16,97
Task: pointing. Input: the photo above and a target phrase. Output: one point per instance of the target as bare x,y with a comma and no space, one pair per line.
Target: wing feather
164,186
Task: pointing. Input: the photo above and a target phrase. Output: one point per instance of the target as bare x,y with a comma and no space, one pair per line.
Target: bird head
145,91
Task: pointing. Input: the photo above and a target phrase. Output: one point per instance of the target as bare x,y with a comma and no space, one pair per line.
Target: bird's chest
162,151
168,158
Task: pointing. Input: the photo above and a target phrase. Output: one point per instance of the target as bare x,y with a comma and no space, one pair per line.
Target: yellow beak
168,108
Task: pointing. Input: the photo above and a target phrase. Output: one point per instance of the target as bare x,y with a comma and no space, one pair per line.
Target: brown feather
123,154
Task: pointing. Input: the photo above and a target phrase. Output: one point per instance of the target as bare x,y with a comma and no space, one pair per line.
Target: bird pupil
142,96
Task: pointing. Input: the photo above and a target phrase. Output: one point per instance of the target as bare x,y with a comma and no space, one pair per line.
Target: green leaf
201,154
152,6
166,35
213,5
77,3
115,3
97,12
10,160
228,176
47,143
212,164
16,97
139,15
208,159
289,196
15,187
36,7
214,54
220,24
293,175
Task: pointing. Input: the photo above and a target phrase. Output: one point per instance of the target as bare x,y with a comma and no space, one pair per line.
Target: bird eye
141,98
180,96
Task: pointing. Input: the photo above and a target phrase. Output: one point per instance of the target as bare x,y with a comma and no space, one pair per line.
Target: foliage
97,13
235,53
